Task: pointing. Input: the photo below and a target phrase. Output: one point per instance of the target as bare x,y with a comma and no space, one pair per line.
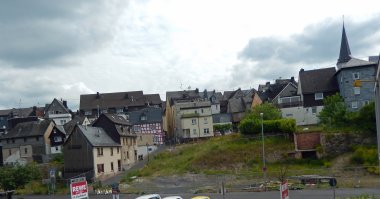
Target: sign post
284,190
78,188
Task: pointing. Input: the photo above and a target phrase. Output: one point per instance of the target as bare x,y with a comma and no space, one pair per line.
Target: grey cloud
270,57
44,33
317,43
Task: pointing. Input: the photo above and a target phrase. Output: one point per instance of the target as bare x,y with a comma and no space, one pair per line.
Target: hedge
249,126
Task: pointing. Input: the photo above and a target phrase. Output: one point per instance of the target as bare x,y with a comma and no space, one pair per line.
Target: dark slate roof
153,115
319,80
96,136
69,126
345,52
116,119
153,99
173,96
28,129
109,100
221,118
20,112
233,94
354,62
236,105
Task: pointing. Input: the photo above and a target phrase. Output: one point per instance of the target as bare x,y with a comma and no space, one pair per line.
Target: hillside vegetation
231,154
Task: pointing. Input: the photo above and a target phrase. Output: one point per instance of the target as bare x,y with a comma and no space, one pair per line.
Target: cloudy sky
62,49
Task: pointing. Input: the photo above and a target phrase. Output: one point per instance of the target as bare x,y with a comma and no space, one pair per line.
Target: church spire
345,52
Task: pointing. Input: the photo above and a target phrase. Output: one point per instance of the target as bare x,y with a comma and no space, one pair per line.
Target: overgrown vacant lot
232,154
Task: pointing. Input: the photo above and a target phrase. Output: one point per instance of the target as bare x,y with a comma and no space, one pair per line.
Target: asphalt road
297,194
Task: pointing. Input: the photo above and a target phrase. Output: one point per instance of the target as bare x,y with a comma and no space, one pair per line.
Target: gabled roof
354,62
28,129
96,136
236,105
69,126
59,103
109,100
18,112
152,115
318,80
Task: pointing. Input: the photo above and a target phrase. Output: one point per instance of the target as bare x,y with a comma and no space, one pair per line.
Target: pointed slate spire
345,52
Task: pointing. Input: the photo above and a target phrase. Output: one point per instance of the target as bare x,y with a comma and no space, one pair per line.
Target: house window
13,140
143,117
202,110
355,75
136,128
318,96
118,150
366,102
205,120
111,152
193,121
88,113
140,138
37,138
25,139
100,151
128,154
194,131
100,168
119,110
10,152
357,90
26,150
354,104
206,131
57,139
111,166
195,111
314,110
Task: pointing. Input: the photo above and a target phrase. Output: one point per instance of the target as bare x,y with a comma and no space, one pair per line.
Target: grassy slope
222,155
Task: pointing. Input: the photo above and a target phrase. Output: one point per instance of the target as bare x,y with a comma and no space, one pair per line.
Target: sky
63,49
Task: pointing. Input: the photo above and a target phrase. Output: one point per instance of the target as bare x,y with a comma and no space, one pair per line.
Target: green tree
334,113
365,118
12,177
270,112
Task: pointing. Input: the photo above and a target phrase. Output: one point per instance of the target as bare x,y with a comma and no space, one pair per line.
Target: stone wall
339,143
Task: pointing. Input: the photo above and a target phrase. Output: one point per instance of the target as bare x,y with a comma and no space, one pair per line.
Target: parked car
173,197
150,196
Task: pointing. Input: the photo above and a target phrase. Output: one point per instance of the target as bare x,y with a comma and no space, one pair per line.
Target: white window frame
314,110
193,121
355,76
205,120
194,131
354,104
206,131
357,90
316,97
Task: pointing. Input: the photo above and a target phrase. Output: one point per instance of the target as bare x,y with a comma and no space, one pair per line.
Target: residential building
215,98
93,105
237,103
194,120
222,119
31,141
77,120
58,111
313,87
172,121
10,117
351,69
121,132
92,152
147,124
377,108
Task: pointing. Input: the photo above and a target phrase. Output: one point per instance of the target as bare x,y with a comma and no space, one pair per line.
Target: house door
119,165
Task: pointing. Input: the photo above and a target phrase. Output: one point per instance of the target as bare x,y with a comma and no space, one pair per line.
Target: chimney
64,102
302,70
292,79
267,83
97,95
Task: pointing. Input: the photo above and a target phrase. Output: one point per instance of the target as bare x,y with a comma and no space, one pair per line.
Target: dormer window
143,117
318,96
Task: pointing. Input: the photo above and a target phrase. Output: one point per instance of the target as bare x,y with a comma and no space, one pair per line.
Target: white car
150,196
173,197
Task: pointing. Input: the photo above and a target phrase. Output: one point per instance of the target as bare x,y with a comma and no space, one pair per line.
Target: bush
366,157
253,126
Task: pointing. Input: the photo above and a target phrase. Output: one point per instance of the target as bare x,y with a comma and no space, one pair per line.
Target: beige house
92,152
194,120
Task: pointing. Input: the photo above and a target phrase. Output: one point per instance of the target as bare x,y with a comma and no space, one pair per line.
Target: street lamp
262,136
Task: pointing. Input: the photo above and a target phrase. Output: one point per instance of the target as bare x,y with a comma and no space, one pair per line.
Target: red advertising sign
78,189
284,190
